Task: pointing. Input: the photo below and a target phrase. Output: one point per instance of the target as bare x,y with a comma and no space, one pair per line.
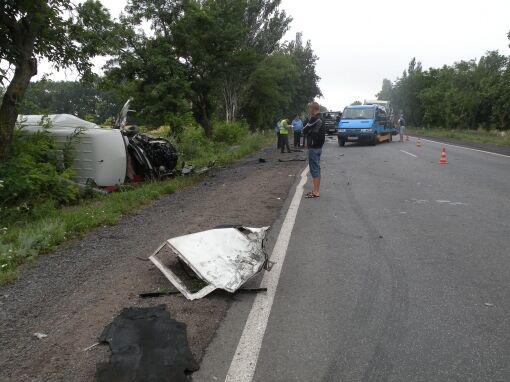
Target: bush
179,122
230,133
30,177
193,143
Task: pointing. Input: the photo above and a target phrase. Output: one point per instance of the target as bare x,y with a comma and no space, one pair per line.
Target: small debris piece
40,336
158,294
262,160
252,290
488,304
292,160
146,345
169,293
91,346
188,169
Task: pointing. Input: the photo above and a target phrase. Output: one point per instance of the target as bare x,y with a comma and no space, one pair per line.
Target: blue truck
366,124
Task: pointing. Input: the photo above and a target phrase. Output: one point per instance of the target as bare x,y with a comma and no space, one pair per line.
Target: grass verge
493,137
26,237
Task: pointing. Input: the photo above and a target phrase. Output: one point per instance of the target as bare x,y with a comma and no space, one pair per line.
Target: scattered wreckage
107,157
222,258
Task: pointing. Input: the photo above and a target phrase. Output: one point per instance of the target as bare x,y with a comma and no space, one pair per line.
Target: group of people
283,130
310,133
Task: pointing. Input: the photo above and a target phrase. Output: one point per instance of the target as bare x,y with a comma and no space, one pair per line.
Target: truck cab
365,123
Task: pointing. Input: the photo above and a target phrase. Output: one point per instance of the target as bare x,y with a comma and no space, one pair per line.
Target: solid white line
242,367
405,152
467,148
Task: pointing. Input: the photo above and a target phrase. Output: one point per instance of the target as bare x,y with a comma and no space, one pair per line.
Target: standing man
316,133
297,127
284,135
402,127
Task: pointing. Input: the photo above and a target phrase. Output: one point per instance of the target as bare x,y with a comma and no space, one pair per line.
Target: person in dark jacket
278,137
316,133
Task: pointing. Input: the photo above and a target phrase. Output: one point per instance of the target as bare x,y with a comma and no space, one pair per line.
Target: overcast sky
360,43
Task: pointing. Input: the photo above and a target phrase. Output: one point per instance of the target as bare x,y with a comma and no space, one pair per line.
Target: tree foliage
206,57
82,99
468,94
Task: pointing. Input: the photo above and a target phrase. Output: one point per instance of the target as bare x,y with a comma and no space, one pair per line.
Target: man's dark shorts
314,159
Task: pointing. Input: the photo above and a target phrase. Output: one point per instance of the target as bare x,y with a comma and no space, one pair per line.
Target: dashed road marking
408,153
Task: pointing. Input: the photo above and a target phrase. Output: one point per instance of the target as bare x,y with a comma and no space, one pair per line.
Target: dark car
331,120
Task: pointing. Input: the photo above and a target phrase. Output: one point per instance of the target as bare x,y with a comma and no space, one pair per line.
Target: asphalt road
399,272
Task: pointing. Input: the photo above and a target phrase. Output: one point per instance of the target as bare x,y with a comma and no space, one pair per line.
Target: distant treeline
467,95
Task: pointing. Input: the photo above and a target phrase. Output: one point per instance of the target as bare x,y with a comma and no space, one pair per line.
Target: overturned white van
99,154
104,156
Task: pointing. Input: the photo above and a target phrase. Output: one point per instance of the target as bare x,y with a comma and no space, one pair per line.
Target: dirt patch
72,294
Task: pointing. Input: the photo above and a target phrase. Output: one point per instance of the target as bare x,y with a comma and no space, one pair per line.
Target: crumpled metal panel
224,258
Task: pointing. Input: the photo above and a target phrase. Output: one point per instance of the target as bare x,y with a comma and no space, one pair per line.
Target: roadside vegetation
467,100
493,137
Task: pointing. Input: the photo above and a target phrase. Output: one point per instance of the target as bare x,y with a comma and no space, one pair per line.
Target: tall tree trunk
202,113
231,90
10,105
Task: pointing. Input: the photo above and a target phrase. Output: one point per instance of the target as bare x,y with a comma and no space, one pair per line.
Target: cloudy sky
360,43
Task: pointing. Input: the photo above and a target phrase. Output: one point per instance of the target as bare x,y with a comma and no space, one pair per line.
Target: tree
356,103
386,91
220,43
270,90
307,85
57,30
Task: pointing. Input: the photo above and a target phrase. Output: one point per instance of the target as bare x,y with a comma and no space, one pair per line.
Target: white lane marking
467,148
408,153
242,367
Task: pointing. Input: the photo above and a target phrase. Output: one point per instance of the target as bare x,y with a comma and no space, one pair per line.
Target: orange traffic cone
443,160
418,143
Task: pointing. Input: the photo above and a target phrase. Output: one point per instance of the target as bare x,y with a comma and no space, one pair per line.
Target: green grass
25,237
494,137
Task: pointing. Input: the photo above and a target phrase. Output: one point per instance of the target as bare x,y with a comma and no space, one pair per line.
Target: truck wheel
341,142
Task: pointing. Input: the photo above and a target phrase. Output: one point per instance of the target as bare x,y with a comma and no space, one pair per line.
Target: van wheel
373,142
341,142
